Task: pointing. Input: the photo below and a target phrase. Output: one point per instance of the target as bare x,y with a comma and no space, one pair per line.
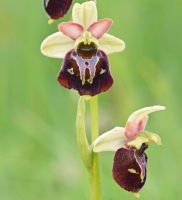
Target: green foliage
39,158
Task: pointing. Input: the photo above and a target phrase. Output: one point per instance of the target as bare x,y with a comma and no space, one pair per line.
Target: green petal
110,141
57,45
144,137
110,44
84,14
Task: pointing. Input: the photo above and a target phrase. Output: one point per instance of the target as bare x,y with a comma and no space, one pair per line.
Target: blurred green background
38,151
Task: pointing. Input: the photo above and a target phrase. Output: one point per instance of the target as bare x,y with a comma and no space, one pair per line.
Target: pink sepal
130,130
100,27
72,30
142,123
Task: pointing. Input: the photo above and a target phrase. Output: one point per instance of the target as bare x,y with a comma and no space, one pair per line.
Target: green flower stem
94,118
90,159
94,172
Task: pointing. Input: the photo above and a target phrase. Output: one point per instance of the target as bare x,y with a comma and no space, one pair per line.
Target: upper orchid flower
56,9
129,168
84,44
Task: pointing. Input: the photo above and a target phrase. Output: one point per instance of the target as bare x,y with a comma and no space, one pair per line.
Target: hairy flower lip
87,80
129,169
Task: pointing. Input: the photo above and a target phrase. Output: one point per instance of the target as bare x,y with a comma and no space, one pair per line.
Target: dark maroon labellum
86,70
57,8
129,168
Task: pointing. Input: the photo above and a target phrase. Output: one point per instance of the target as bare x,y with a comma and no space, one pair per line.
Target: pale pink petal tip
99,28
142,123
131,130
72,30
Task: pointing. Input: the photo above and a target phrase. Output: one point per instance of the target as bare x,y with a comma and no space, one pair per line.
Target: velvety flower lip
130,162
129,169
84,45
56,9
69,73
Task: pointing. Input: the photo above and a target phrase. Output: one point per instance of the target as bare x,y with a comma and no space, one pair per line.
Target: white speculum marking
102,71
142,165
84,64
133,171
71,71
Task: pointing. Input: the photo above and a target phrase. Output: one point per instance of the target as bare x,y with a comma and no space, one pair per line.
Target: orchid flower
129,143
84,44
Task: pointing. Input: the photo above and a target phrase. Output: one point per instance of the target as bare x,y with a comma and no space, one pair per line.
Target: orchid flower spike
84,44
129,143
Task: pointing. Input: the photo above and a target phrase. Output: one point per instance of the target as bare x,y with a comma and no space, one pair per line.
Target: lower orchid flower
129,143
84,44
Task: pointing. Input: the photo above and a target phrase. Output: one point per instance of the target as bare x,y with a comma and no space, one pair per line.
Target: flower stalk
90,159
94,173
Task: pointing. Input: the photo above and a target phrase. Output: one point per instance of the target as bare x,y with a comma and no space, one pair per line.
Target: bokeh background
38,151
